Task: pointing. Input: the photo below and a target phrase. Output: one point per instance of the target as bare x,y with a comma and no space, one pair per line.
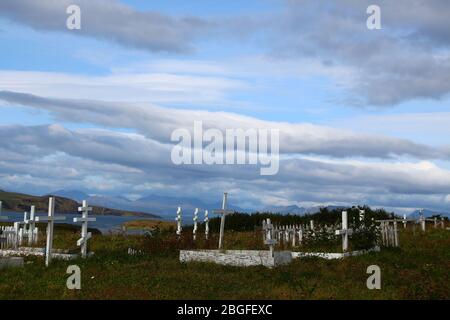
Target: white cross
85,235
300,234
23,231
345,232
206,224
50,219
268,228
2,217
311,224
178,220
223,212
422,220
194,230
31,229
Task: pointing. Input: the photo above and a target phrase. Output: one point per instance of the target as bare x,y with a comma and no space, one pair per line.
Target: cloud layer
110,20
106,160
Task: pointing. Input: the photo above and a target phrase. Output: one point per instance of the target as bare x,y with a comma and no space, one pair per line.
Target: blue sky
351,103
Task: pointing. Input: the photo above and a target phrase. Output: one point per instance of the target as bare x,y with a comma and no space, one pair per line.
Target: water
104,223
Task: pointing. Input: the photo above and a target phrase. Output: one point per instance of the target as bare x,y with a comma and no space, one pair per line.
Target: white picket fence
295,235
12,237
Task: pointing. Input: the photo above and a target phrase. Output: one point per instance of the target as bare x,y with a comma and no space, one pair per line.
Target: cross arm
46,218
84,208
84,219
84,239
344,231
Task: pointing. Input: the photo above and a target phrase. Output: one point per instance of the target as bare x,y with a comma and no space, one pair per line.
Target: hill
19,202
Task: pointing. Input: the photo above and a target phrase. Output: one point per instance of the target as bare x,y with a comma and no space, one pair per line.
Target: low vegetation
419,269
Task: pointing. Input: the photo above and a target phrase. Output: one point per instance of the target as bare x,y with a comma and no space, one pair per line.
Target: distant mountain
294,209
427,213
167,205
71,194
19,202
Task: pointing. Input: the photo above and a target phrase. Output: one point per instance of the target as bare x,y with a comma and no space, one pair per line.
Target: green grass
417,270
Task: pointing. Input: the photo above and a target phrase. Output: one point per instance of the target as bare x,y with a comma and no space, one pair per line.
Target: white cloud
158,123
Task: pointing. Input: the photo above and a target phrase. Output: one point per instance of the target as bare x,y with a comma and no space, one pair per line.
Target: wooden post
50,219
194,229
31,228
396,243
345,231
223,212
206,225
178,220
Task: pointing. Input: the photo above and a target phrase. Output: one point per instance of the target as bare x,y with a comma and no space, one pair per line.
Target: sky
363,114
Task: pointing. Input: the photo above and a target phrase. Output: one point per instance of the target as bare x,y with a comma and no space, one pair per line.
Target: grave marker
178,220
422,220
345,232
85,235
269,239
223,212
32,227
206,225
50,219
23,231
194,230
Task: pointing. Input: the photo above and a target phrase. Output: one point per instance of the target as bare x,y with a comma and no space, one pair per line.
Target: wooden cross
50,219
206,225
32,230
223,212
23,230
345,232
300,235
268,227
85,235
2,217
404,221
178,220
422,220
194,230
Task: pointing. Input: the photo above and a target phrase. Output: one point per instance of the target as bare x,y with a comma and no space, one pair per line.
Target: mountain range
19,202
157,204
166,206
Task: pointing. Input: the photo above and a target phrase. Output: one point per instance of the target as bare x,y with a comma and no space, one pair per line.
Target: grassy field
420,269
